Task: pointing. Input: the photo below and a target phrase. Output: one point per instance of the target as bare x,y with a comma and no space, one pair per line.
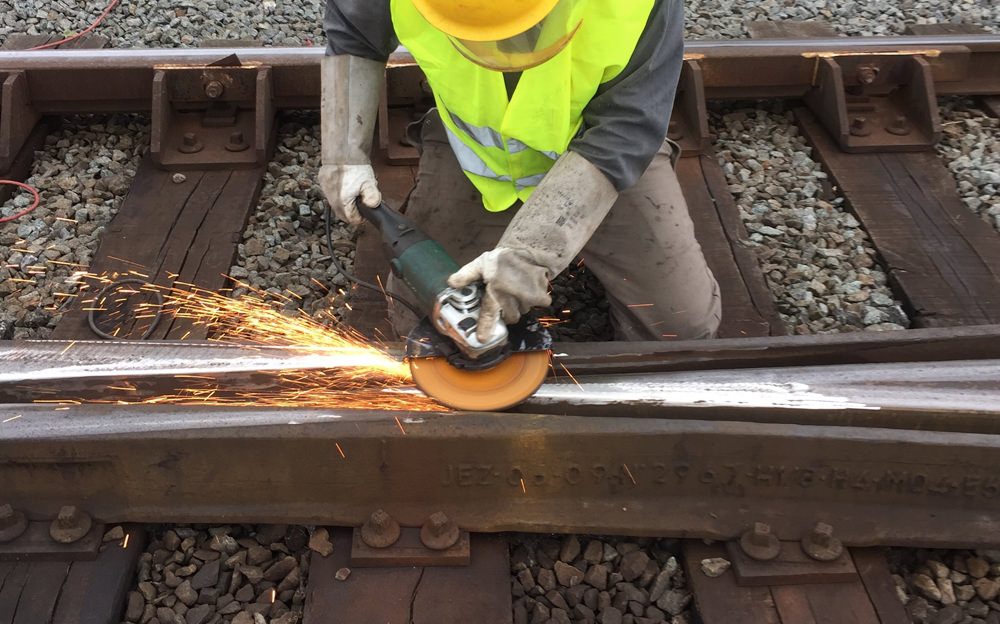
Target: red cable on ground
81,33
30,208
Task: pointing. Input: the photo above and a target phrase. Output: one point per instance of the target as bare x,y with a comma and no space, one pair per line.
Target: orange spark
639,305
67,347
125,541
571,375
340,450
400,425
523,489
12,418
135,264
629,473
360,375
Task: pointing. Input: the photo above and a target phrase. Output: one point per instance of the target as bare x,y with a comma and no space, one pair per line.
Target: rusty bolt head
867,74
859,127
380,531
70,525
439,532
759,543
236,142
214,89
820,544
189,143
12,523
900,126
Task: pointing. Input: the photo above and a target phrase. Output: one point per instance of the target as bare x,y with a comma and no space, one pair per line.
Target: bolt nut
380,530
236,142
214,89
867,74
759,543
70,525
900,126
189,143
439,532
12,523
820,544
859,127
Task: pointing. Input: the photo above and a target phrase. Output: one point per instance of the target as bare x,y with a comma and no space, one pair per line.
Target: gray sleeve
360,28
625,123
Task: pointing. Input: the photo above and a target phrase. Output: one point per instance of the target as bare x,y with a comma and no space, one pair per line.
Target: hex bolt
12,523
189,143
236,142
820,544
759,543
900,126
867,74
380,530
214,89
859,127
439,532
70,525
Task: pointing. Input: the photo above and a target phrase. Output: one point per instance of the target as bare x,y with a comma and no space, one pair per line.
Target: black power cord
357,280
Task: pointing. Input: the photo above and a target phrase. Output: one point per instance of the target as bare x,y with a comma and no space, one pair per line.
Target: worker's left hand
515,283
541,240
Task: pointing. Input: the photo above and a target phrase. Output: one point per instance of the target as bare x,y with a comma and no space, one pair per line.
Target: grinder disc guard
494,381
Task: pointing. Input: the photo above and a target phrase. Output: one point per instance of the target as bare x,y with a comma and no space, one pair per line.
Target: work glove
541,240
342,184
350,94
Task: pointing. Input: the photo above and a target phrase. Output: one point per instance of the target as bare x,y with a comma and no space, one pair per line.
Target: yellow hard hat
484,20
505,35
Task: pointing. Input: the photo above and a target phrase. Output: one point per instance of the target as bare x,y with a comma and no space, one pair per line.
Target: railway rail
785,443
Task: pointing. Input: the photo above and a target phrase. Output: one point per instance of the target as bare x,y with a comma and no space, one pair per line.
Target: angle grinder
447,360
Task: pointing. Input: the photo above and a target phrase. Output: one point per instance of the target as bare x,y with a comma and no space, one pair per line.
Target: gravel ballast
81,175
580,579
233,574
818,262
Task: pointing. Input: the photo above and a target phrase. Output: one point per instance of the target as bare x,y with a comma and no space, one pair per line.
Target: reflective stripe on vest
506,144
471,162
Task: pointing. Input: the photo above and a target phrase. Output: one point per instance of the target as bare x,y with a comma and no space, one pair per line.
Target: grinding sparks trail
347,372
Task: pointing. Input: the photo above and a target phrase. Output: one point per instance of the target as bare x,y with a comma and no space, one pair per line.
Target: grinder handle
398,232
420,261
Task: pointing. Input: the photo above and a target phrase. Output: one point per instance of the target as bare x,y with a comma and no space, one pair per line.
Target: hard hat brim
471,25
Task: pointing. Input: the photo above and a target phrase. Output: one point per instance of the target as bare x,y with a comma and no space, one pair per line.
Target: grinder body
447,360
424,265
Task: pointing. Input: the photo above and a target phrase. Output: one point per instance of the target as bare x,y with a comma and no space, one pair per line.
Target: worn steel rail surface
899,452
117,80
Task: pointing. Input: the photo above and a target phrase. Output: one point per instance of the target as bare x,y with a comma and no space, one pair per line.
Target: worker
547,144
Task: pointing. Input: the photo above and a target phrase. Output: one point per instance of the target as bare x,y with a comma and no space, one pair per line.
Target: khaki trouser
644,253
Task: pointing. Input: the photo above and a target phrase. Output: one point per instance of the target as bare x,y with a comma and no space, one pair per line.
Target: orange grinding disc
502,386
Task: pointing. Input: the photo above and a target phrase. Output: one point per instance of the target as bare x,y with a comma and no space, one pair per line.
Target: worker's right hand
515,283
342,184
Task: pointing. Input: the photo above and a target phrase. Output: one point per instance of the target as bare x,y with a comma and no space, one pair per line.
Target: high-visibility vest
506,146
